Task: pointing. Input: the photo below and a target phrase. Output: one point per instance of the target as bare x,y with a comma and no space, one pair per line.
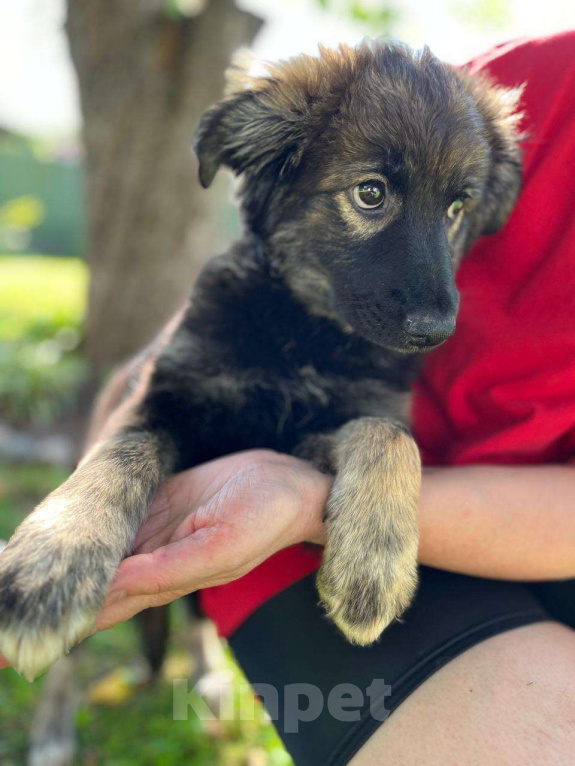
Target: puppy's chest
250,367
304,386
312,400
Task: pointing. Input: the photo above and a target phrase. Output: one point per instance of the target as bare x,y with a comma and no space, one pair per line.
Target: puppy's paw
369,572
364,595
368,575
51,588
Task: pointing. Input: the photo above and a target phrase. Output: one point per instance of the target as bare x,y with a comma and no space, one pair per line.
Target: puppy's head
369,171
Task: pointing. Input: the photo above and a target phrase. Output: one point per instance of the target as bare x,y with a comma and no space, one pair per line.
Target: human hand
213,524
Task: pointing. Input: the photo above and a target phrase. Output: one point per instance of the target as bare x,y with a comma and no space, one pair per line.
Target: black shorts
326,697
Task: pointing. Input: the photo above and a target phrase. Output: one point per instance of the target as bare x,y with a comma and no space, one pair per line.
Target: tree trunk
145,76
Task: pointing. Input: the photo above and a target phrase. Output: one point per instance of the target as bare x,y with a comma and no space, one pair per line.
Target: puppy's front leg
56,569
369,571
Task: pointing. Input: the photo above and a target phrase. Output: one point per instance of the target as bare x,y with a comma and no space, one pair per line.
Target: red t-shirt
502,389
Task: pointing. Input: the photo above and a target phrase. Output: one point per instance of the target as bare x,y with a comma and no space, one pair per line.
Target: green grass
40,290
42,305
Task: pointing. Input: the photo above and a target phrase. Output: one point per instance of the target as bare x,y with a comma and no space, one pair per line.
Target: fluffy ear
499,108
249,135
263,126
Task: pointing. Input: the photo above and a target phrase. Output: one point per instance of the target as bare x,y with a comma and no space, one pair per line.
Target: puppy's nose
428,330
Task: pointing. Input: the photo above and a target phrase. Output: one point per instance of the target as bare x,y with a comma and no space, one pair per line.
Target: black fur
250,367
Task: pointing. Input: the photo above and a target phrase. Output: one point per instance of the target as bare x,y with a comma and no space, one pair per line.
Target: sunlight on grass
36,289
42,304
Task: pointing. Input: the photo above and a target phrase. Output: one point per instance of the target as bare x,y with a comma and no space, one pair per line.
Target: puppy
366,174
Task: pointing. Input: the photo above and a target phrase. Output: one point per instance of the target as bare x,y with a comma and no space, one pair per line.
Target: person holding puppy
481,668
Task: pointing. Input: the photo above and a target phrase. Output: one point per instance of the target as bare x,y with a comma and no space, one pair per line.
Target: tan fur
369,572
313,288
71,545
501,104
285,83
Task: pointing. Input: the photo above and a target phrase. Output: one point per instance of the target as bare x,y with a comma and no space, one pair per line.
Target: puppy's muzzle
426,330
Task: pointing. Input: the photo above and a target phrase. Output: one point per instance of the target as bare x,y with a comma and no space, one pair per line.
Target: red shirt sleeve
502,390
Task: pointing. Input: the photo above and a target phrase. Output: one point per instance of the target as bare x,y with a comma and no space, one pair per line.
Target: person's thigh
509,700
327,697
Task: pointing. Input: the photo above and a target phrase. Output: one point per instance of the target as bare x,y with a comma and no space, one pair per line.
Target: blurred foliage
21,486
379,17
17,217
176,9
23,212
42,304
482,15
135,729
41,195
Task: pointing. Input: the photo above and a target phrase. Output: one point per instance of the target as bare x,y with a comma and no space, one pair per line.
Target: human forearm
508,522
504,522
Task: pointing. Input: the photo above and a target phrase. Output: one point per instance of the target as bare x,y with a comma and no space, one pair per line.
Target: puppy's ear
499,108
504,180
247,134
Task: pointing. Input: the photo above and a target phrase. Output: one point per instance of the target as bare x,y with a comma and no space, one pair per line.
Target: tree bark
145,76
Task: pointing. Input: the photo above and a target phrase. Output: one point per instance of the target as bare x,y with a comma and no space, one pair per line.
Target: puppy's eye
369,194
455,208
